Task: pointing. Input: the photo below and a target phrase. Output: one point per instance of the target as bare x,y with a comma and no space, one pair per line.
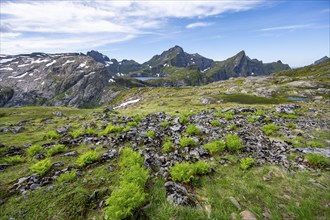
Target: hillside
247,147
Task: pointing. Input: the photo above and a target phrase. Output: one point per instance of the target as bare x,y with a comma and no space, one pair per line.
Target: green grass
317,160
150,134
215,123
246,163
132,123
67,177
167,146
165,124
15,159
185,172
316,144
111,129
52,135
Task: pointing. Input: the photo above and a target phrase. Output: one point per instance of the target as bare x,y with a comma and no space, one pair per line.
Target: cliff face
53,79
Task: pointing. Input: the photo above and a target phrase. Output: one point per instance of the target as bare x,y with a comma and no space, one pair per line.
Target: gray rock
71,154
58,113
35,186
63,129
235,202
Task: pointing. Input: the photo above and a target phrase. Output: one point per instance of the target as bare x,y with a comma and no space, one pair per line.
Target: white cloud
199,24
74,25
288,27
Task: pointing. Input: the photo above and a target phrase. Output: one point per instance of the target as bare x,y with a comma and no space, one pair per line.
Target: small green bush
193,130
259,112
33,150
165,124
232,127
91,131
246,163
167,147
76,133
138,118
150,134
185,172
292,125
316,144
270,129
51,135
317,160
15,159
111,129
252,118
215,123
132,123
66,177
183,120
59,148
41,167
87,158
186,142
233,143
123,201
130,195
215,146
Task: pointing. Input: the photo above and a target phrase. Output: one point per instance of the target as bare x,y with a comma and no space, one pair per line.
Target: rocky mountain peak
323,59
97,56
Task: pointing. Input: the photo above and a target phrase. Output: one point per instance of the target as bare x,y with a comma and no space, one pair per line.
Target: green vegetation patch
246,163
111,129
215,146
87,158
33,150
187,142
270,129
233,143
52,135
59,148
193,130
67,177
317,160
15,159
41,167
185,172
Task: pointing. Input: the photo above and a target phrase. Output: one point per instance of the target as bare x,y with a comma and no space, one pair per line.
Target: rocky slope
56,79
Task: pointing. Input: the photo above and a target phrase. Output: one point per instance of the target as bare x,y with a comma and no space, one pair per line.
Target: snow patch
83,64
18,77
6,60
108,63
89,74
39,61
22,65
49,64
203,71
31,74
119,74
37,79
43,83
68,61
127,103
7,68
111,81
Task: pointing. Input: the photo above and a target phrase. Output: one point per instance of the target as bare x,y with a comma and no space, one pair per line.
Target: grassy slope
266,189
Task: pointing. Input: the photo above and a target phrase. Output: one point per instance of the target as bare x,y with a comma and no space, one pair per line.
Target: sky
294,31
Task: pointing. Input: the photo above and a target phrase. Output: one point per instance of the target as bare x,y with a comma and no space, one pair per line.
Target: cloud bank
59,26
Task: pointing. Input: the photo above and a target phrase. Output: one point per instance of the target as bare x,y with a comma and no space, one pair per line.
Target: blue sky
296,32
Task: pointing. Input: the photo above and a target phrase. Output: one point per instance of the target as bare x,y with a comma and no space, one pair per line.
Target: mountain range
79,80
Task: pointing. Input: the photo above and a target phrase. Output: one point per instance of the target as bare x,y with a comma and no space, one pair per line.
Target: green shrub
246,163
183,120
317,160
123,201
130,195
259,112
165,124
215,146
127,128
66,177
76,133
41,167
33,150
87,158
15,159
185,172
167,146
315,144
215,123
270,129
111,129
252,118
132,123
150,134
186,142
232,127
59,148
291,125
51,135
201,167
91,131
193,130
233,143
138,118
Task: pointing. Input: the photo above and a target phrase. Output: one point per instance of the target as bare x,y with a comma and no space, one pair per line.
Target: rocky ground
296,128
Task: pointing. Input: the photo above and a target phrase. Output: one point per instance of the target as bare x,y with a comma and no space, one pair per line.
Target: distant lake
145,78
296,98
